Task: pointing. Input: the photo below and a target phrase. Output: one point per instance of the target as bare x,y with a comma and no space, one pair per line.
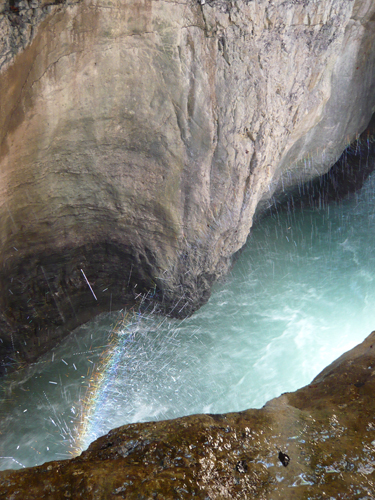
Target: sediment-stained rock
137,140
326,429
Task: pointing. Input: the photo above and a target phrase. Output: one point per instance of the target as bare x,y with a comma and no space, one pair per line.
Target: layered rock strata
138,139
326,429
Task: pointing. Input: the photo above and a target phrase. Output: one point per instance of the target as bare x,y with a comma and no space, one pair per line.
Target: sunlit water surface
301,294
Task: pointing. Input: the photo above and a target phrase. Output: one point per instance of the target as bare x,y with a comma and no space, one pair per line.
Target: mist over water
301,294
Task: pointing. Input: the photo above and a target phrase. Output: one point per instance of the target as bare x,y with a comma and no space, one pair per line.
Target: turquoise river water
301,293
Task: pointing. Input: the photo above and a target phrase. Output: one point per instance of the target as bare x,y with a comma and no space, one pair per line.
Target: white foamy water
301,294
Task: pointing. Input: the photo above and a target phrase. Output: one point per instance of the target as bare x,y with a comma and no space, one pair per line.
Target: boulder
138,140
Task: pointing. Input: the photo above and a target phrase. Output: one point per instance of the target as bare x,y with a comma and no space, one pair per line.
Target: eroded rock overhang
138,140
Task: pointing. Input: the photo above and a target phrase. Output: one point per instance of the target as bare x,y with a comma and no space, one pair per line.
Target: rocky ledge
315,443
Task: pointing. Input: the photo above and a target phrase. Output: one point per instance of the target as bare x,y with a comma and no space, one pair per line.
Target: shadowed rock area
137,140
327,429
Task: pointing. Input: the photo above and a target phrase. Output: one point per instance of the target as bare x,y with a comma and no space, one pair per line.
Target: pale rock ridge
139,139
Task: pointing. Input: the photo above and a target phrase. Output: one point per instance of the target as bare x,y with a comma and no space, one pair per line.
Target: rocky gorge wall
138,140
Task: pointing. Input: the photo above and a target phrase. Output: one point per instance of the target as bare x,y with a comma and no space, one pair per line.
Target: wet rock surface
137,141
326,430
342,181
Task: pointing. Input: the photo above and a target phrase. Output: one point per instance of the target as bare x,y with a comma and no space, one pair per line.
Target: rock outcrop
137,140
326,429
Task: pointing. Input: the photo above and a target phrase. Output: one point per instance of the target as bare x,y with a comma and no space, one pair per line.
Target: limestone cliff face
139,138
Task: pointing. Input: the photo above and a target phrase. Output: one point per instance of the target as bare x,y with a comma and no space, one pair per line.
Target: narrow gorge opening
300,294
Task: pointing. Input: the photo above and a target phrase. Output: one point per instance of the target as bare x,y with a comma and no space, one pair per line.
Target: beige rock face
139,138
